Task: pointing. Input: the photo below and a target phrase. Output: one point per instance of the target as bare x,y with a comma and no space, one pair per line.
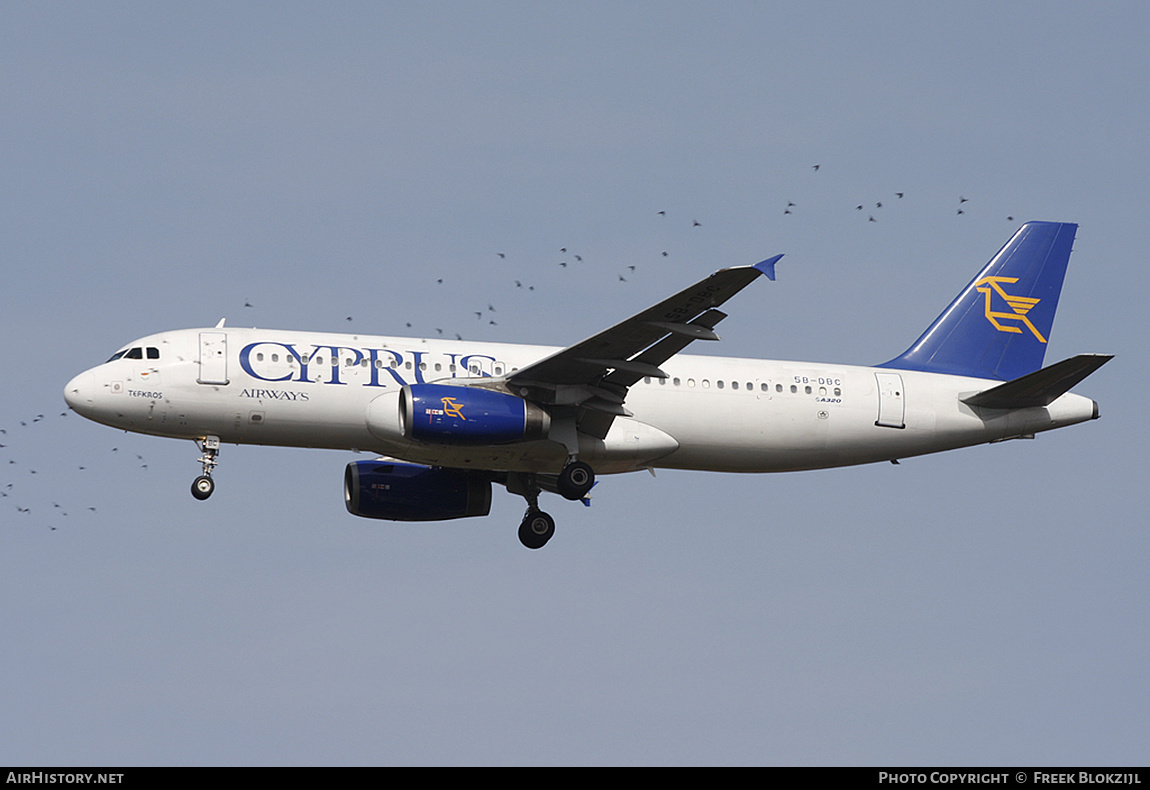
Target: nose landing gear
203,486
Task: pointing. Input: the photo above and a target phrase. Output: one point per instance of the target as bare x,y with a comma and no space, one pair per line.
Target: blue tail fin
998,326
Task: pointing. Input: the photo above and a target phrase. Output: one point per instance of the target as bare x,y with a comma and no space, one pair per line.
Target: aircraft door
213,358
891,404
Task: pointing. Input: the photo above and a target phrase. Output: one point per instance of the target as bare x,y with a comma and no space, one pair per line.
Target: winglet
767,267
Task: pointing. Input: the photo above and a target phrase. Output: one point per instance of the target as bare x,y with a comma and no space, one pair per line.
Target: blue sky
165,166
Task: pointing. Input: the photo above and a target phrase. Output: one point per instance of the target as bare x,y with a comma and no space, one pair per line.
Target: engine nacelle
448,414
409,492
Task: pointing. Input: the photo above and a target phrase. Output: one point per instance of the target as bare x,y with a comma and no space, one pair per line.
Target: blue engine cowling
409,492
447,414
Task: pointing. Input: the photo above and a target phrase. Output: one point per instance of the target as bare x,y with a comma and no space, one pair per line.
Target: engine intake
410,492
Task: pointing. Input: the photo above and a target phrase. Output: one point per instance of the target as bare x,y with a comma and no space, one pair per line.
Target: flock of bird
21,478
525,278
570,261
566,260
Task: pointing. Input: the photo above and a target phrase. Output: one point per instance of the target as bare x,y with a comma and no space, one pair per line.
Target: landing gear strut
537,527
203,486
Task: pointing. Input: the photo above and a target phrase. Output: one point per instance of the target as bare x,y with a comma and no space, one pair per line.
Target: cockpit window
136,353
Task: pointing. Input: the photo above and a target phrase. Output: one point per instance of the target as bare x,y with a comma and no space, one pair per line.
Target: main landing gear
203,486
575,481
537,527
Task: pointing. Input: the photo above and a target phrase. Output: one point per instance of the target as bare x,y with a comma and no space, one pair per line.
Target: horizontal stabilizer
1042,387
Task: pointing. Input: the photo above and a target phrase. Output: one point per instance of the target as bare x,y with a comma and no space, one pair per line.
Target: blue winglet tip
767,267
587,500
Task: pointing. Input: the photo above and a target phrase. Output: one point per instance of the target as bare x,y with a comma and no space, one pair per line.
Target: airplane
448,419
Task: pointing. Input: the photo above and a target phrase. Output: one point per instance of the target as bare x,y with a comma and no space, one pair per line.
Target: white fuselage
338,391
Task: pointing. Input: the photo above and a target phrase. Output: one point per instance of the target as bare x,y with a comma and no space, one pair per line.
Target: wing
595,374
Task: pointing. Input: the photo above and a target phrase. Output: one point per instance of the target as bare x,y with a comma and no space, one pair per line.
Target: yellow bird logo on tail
1019,305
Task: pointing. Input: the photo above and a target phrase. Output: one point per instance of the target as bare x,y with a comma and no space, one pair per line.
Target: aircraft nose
80,391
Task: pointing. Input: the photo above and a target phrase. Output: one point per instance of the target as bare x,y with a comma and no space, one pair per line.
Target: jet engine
447,414
410,492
